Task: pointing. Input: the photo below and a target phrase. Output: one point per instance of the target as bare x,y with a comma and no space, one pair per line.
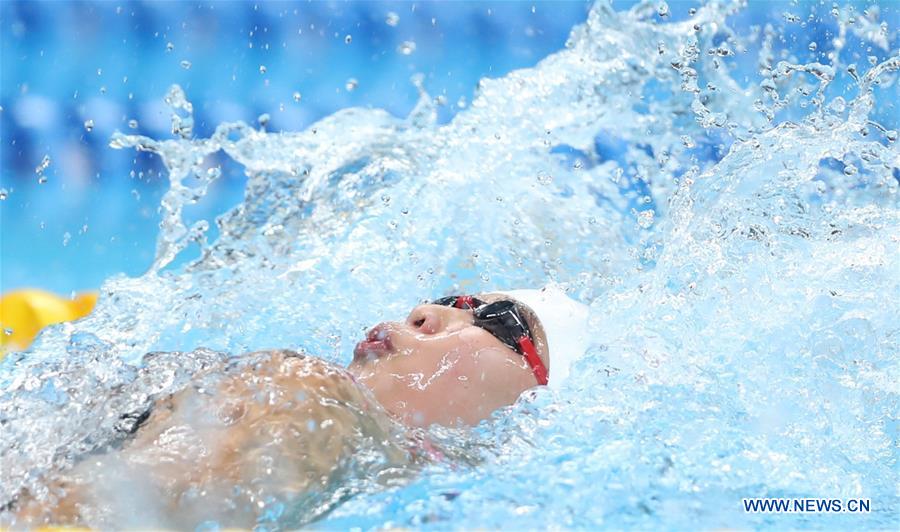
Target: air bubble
544,178
263,119
645,218
351,84
67,236
169,47
392,19
813,47
348,39
297,96
3,194
850,170
262,69
407,47
185,64
891,135
214,173
89,125
133,124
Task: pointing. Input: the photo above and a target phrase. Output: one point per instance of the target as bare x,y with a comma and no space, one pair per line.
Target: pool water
723,194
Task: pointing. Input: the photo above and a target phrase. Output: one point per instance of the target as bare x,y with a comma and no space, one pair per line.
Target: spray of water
737,239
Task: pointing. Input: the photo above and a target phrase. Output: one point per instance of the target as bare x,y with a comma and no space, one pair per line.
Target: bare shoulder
285,370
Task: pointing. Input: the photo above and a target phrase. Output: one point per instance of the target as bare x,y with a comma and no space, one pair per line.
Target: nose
433,319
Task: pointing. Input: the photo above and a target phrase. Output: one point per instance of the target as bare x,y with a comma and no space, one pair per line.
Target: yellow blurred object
25,312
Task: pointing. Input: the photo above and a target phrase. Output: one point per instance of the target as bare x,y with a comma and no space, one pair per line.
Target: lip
377,343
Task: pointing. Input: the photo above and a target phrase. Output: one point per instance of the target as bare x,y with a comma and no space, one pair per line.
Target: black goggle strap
502,319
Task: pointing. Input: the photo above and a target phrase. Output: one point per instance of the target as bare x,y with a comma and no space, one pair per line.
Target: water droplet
461,102
838,105
66,238
99,71
45,163
89,125
849,170
645,218
873,60
407,47
214,172
544,178
297,96
485,276
351,84
262,69
392,19
579,164
348,39
891,135
687,141
263,119
185,64
404,211
662,9
385,199
692,11
3,194
169,47
133,124
592,220
813,47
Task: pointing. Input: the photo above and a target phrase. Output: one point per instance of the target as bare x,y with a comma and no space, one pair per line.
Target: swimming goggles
503,320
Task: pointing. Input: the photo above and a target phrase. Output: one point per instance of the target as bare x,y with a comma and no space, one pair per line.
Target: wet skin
437,367
301,412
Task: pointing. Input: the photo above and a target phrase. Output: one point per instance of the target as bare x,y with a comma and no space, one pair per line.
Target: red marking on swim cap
531,356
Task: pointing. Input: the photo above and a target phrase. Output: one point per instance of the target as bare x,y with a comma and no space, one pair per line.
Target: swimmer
276,430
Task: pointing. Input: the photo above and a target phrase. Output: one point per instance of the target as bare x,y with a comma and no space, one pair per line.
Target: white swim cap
565,324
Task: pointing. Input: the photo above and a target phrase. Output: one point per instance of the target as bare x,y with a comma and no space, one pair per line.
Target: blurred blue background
111,63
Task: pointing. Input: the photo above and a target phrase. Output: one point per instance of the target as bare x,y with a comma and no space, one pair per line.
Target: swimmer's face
437,367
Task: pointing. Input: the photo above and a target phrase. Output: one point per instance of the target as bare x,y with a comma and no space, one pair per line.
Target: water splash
736,239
